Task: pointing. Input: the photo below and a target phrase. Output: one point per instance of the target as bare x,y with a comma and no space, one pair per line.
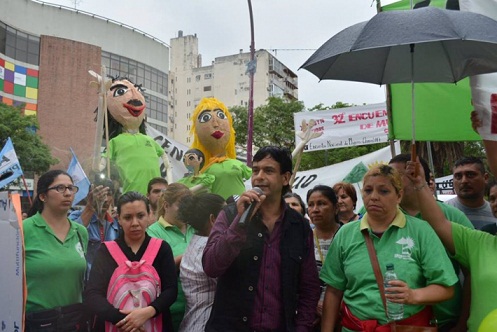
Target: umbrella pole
413,110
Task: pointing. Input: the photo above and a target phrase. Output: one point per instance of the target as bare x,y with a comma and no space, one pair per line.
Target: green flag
356,174
442,109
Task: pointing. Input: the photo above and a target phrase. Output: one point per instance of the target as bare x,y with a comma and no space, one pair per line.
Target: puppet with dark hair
135,154
194,160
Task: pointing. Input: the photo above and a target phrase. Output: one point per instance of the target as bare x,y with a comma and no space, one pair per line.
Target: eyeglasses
62,189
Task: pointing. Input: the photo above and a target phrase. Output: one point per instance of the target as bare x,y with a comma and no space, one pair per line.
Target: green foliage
33,154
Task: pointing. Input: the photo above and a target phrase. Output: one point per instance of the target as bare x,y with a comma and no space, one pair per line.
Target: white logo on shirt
80,250
407,244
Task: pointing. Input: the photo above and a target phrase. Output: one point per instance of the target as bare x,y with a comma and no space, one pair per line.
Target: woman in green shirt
54,257
425,272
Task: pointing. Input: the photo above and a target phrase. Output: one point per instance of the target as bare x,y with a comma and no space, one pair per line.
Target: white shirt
199,289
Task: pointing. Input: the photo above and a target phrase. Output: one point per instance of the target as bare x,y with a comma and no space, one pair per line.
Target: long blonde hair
171,194
212,104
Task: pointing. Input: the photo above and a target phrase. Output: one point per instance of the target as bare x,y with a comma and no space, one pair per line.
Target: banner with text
350,169
344,127
173,150
11,240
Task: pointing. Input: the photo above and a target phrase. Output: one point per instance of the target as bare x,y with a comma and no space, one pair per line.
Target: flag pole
27,190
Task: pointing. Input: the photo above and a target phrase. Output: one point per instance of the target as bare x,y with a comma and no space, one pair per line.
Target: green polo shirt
478,251
178,242
449,311
54,269
409,243
229,176
137,159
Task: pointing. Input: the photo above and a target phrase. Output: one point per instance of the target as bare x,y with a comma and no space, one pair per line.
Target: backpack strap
116,252
152,250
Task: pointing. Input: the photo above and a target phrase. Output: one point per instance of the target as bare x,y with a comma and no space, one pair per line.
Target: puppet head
126,104
213,130
193,160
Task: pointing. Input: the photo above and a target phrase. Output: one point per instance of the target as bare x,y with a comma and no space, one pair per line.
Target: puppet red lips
134,110
217,134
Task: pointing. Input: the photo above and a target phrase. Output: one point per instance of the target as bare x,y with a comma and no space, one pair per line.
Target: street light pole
251,70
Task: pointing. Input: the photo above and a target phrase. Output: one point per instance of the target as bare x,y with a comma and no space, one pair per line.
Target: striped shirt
199,289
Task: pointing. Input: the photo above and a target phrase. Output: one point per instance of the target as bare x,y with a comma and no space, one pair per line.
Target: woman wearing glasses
54,257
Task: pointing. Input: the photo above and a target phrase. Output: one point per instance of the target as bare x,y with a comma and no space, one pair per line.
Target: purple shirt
224,246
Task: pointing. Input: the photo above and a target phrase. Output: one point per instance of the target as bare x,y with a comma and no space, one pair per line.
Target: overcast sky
223,28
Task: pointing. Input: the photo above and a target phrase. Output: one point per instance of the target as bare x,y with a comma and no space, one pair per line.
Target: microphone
250,209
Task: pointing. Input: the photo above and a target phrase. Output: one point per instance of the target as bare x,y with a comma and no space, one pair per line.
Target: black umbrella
422,45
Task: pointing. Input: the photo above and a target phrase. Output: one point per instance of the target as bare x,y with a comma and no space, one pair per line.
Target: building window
19,45
207,76
207,88
197,78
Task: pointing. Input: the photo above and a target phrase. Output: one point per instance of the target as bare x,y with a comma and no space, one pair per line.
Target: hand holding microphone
249,210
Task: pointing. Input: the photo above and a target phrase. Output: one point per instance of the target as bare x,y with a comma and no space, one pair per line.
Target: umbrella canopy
422,45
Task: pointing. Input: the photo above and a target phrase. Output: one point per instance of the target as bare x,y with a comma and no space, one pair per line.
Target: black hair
297,196
196,210
405,157
470,160
154,181
130,197
44,182
281,155
327,192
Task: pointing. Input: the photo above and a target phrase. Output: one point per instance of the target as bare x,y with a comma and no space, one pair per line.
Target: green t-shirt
478,251
449,311
136,157
178,242
206,180
229,176
410,244
54,269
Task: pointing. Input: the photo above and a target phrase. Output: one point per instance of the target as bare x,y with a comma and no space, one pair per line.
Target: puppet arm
169,168
306,134
490,146
103,163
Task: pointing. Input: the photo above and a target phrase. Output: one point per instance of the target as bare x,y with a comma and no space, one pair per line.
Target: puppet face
213,130
126,104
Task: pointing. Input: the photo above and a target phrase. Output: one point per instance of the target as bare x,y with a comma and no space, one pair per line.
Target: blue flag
10,169
79,177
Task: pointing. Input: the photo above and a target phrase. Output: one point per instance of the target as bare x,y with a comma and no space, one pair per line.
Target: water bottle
395,311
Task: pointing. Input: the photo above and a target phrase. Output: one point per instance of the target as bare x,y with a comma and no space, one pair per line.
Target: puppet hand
103,163
475,121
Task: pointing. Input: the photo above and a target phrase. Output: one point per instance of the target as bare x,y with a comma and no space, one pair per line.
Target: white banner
344,127
11,287
329,175
445,185
484,87
174,151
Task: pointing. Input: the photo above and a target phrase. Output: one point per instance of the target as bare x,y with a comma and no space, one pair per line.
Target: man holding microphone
264,261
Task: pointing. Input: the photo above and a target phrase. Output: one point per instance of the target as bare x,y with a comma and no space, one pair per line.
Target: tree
273,123
32,153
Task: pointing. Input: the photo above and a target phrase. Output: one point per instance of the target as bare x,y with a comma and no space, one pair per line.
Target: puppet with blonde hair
214,135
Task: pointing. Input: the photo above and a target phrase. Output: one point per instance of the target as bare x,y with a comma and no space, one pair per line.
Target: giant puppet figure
135,154
215,137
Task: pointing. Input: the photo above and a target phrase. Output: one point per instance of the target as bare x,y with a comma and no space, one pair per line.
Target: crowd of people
203,264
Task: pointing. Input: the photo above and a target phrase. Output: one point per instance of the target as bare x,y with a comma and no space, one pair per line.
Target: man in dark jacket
267,276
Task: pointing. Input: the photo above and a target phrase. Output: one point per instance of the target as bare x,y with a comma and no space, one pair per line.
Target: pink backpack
134,284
